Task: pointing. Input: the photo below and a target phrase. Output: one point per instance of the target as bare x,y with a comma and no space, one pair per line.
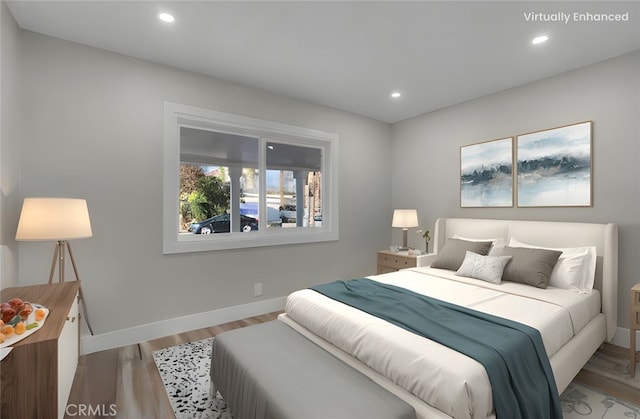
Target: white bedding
443,378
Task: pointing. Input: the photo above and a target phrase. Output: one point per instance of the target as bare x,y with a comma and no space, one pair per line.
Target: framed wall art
486,174
554,167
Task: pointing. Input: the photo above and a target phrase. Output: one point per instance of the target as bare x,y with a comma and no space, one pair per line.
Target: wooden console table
38,373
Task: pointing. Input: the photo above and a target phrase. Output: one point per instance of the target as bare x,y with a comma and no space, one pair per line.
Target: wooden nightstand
634,327
391,262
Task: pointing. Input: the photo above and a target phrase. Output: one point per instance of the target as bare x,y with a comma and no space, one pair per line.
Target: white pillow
496,244
487,268
575,269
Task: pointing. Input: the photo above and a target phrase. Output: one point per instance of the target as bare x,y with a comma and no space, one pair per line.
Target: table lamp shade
405,218
54,219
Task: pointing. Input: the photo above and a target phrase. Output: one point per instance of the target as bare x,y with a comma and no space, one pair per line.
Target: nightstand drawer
395,260
635,306
385,269
634,328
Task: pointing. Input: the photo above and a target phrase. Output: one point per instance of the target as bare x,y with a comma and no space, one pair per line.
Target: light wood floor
120,378
608,385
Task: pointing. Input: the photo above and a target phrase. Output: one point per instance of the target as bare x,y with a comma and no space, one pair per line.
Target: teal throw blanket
513,354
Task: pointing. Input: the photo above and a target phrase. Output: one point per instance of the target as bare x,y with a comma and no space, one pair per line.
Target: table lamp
405,219
59,219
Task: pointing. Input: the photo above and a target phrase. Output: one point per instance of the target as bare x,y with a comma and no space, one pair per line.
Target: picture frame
486,174
554,167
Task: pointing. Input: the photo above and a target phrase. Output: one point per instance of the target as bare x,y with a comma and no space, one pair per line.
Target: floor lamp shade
54,219
404,219
59,219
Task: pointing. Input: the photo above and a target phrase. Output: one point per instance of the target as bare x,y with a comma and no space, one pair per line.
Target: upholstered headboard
550,234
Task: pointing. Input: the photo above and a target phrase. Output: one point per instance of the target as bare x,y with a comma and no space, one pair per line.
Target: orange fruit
7,330
39,314
20,328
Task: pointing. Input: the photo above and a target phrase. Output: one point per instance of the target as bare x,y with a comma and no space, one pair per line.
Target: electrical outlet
257,289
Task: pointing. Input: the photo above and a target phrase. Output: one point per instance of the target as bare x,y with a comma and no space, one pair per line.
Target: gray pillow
529,266
454,251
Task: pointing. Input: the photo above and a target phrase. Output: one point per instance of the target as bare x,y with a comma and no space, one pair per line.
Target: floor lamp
59,219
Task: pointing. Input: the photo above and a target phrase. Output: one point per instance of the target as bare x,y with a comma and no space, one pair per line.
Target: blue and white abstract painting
486,174
554,167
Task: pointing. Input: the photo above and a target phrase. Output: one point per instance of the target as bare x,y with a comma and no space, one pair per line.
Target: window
234,182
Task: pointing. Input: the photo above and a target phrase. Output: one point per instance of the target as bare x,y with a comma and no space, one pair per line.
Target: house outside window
234,182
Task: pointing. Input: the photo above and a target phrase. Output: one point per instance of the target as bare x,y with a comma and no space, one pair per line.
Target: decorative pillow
575,269
487,268
454,251
529,266
496,244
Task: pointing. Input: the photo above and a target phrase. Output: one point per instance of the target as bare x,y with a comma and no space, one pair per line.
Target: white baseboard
142,333
621,338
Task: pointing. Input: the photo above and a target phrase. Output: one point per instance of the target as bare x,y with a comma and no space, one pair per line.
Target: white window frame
177,116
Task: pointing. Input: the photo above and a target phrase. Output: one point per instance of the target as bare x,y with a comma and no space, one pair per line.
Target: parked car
288,213
250,209
221,223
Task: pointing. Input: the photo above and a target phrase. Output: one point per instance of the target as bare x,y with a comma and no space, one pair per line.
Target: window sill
185,243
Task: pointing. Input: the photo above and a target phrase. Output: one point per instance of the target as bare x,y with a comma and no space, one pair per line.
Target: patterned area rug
185,373
184,370
579,401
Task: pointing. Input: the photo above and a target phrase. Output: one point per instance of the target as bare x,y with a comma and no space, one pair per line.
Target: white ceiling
348,55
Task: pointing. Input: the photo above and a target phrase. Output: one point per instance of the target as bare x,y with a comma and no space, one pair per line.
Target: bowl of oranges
19,319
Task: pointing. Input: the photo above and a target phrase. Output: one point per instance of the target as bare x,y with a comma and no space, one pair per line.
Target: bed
573,317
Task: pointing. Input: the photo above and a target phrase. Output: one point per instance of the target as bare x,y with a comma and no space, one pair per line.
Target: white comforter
445,379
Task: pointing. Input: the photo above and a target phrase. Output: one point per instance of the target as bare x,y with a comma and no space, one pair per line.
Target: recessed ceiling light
166,17
396,95
540,39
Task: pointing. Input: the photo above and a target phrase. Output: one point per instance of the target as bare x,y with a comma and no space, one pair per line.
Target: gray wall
90,126
426,152
93,128
10,107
